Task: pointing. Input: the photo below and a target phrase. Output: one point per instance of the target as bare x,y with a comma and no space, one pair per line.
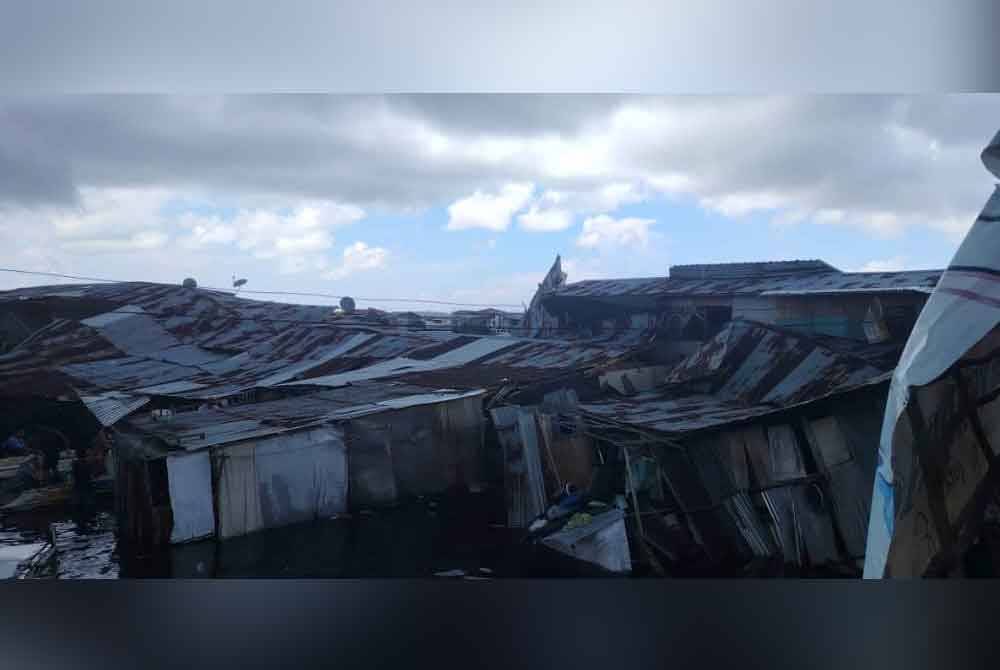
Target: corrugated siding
109,408
281,480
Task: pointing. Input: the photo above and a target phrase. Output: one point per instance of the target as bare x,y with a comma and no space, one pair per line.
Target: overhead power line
276,293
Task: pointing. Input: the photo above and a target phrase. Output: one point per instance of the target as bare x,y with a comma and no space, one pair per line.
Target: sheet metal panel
189,478
815,524
785,454
281,480
200,344
109,408
762,284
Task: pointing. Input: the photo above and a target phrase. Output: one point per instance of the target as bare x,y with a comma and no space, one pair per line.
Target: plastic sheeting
281,480
906,527
189,478
602,542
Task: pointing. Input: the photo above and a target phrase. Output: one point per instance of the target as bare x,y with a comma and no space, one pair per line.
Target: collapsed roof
748,370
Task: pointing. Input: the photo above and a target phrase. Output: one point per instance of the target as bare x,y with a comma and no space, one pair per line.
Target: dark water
86,544
458,535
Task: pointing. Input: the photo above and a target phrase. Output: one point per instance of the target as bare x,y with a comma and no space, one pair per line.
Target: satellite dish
238,282
347,305
189,283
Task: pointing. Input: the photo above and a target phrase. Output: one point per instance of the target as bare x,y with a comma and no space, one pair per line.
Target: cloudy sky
468,198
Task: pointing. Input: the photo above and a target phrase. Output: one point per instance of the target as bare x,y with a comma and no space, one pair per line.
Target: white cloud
914,158
545,220
359,257
205,231
582,269
124,217
612,196
604,231
141,241
881,164
894,264
306,229
489,211
509,290
883,224
740,204
555,209
296,239
312,241
955,226
671,183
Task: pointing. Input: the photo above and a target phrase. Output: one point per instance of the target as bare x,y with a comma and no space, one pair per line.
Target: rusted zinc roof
477,361
109,407
761,283
195,344
745,270
750,363
213,426
748,370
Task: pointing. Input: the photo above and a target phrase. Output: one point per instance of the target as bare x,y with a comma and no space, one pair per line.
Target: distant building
437,320
407,320
489,322
694,302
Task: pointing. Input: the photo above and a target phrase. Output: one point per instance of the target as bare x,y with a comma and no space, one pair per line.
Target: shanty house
694,302
228,471
194,380
759,447
488,321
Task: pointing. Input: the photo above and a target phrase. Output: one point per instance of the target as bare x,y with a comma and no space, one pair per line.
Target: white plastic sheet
963,309
603,542
189,478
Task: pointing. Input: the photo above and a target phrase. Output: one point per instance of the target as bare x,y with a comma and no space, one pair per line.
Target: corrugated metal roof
168,340
744,270
484,352
108,318
748,370
763,284
654,411
109,408
208,427
171,388
749,362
